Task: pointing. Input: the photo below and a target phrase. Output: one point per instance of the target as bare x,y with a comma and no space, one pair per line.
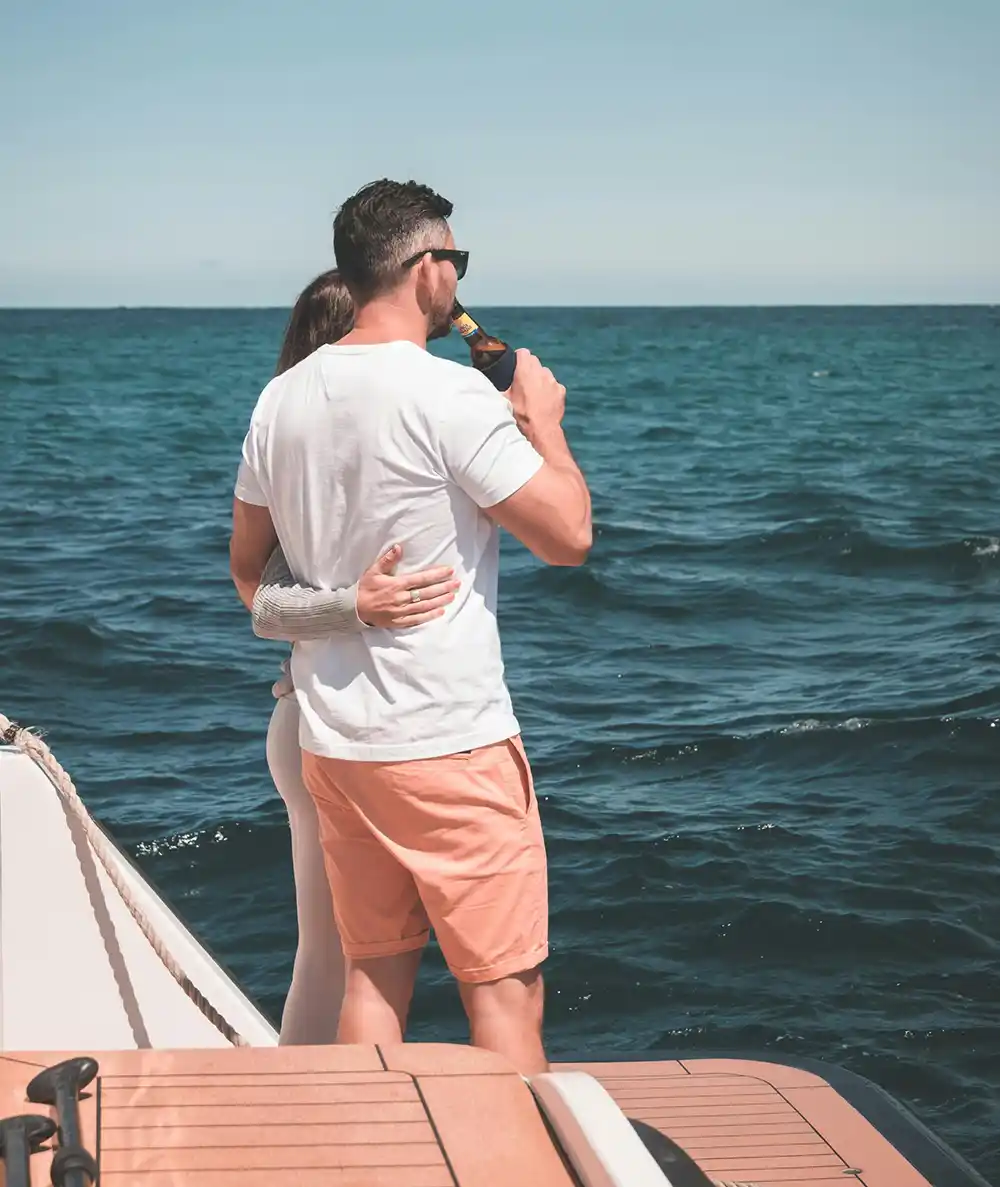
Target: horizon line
140,308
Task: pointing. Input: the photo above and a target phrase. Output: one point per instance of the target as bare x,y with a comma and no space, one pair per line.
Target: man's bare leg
506,1016
377,998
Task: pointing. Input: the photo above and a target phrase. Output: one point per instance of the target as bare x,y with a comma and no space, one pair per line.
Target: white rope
31,744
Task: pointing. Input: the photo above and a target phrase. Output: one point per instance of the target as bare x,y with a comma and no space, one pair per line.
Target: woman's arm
285,609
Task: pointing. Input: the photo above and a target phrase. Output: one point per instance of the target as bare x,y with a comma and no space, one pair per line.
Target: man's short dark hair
383,224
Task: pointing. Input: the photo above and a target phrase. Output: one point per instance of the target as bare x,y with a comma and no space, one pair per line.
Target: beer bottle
490,355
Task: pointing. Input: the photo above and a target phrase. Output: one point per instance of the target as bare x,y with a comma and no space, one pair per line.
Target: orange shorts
452,843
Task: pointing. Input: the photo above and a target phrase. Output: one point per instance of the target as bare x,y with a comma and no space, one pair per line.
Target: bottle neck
465,325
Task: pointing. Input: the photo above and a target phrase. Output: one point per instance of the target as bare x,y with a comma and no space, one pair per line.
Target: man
411,748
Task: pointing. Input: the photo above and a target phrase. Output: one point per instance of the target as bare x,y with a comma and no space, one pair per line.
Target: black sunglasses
459,258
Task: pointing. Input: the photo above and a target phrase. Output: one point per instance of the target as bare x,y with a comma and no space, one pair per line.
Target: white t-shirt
357,447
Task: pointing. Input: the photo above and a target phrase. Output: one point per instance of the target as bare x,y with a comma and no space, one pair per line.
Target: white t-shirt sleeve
483,450
248,488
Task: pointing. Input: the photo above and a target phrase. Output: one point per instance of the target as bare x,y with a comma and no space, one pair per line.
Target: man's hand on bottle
537,398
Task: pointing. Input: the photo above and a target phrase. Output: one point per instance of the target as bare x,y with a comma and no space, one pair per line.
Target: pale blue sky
712,152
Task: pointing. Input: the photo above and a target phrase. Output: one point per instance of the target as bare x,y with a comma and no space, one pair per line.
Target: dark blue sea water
764,718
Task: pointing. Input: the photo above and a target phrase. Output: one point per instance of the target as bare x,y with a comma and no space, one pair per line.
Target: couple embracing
394,742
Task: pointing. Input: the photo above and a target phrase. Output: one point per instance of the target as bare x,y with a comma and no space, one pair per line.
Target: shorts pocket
524,774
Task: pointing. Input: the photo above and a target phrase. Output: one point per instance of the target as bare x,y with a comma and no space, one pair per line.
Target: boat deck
757,1122
436,1115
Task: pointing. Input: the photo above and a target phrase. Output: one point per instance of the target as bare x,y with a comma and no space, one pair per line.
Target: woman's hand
388,601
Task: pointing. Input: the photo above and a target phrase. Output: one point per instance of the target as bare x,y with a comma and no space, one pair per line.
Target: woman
282,609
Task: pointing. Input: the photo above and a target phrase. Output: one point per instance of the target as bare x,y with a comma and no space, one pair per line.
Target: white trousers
312,1007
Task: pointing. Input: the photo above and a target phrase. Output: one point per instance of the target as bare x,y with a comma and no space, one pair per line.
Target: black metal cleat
61,1085
20,1137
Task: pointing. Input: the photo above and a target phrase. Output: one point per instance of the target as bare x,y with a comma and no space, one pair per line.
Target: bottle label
465,325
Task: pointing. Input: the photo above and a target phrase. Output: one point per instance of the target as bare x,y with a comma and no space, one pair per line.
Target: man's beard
440,322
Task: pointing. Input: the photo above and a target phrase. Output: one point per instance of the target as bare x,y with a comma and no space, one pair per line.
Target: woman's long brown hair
323,313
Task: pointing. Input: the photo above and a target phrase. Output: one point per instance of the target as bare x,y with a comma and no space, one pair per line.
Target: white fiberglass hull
76,970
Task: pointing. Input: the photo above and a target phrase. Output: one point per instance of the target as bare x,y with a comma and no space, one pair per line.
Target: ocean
764,718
